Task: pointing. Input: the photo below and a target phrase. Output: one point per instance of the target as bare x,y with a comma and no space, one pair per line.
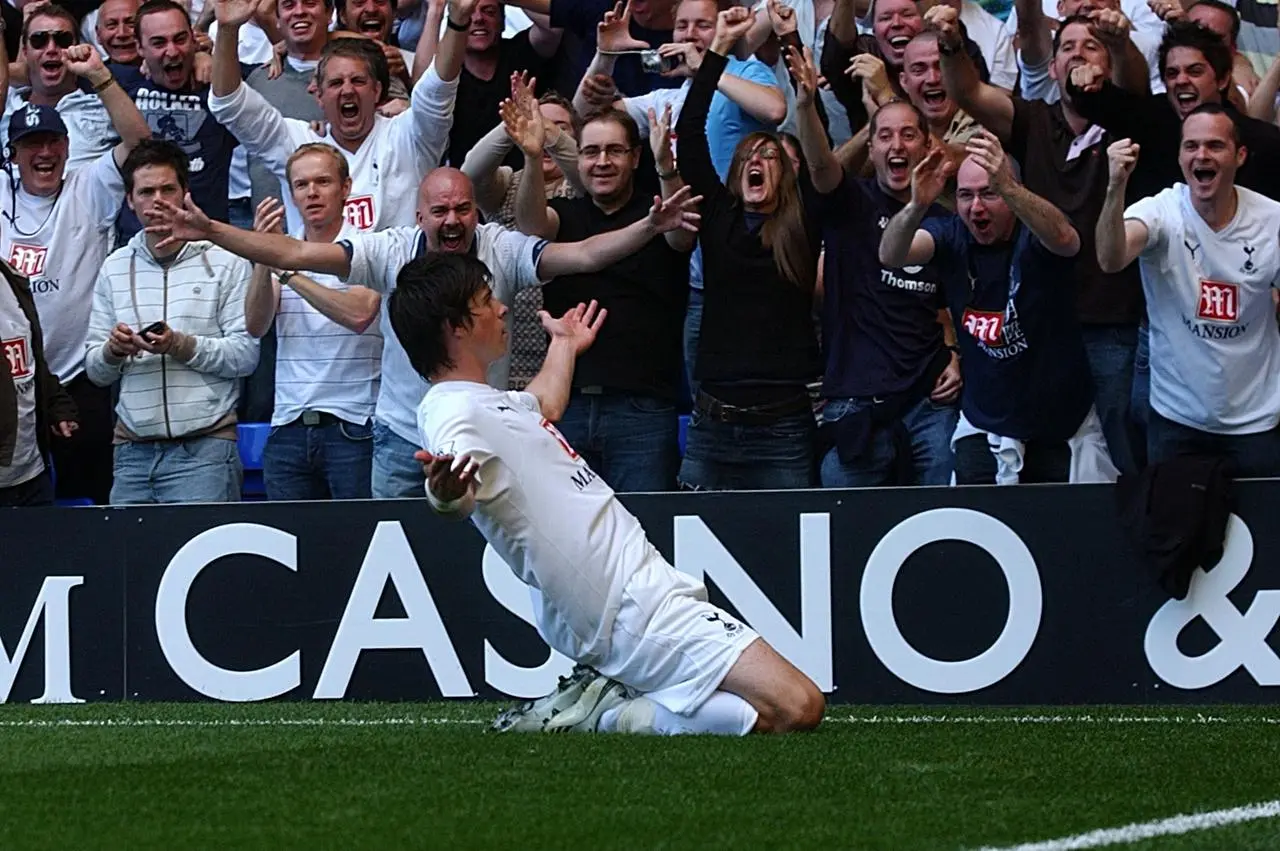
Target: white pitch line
1139,831
426,721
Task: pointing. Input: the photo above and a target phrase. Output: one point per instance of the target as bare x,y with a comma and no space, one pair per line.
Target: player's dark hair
1083,20
363,50
52,10
155,7
156,152
1195,36
554,97
432,297
1225,8
1217,109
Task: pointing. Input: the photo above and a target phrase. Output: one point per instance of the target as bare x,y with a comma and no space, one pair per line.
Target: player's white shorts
668,642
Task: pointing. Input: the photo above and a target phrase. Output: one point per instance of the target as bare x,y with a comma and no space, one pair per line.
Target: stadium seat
253,440
684,431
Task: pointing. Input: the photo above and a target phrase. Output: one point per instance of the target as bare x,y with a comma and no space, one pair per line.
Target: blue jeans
929,427
1251,456
395,474
1140,398
1111,350
692,327
199,469
333,460
633,442
729,456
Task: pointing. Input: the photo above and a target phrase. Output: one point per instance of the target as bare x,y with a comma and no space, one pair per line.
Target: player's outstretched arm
450,483
571,335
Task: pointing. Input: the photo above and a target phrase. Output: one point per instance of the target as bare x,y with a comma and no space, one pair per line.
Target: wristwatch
284,277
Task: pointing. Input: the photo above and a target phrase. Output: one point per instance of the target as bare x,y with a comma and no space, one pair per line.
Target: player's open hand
175,224
680,211
578,327
448,478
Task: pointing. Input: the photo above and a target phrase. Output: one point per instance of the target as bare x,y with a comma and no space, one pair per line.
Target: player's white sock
722,714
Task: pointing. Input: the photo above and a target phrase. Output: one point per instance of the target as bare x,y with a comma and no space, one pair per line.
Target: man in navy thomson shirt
1027,412
891,381
177,107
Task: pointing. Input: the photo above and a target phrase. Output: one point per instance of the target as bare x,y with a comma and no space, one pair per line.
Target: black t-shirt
1040,139
639,348
475,110
879,325
1025,372
182,116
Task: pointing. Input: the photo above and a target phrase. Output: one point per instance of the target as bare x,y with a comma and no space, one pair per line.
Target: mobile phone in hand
156,328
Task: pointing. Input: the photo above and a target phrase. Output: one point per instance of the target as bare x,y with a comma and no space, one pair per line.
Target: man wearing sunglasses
56,232
46,35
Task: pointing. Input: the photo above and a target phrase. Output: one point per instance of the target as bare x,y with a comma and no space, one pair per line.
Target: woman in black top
752,425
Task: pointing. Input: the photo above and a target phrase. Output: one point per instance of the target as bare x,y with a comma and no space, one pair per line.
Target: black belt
317,418
766,414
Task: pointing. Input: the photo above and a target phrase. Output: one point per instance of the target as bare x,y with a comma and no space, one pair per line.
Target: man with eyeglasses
46,35
1007,275
622,410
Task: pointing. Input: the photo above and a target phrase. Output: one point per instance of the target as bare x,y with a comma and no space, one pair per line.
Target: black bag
1175,513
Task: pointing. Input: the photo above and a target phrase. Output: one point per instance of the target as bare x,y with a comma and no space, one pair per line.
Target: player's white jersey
550,517
385,170
60,242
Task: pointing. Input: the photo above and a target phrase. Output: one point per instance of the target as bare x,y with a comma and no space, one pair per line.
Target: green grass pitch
391,776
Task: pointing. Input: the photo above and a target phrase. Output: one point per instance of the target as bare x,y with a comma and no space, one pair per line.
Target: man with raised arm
1209,252
448,222
1027,410
386,155
1060,154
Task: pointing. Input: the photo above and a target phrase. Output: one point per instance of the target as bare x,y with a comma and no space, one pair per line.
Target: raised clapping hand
805,75
178,224
577,327
985,150
269,217
680,211
660,138
875,78
930,177
613,34
525,129
233,13
460,11
782,17
1122,157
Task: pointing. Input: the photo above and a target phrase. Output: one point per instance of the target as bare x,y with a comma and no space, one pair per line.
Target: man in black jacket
1196,67
31,399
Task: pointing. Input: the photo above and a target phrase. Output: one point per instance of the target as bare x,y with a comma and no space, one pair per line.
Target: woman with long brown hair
752,425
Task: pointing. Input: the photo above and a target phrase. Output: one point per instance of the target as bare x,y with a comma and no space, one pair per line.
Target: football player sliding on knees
654,656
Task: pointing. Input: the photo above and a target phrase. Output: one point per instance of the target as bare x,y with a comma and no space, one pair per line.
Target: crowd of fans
859,243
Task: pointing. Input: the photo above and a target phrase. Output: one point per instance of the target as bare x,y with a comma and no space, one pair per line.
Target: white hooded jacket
201,294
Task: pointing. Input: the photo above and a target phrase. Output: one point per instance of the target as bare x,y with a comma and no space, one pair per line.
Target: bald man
447,221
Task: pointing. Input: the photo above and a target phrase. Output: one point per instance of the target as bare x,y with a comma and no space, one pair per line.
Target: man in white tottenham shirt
329,358
1209,252
55,229
654,656
448,222
387,156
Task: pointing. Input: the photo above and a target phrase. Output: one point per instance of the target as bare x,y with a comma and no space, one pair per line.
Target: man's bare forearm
553,382
1109,235
1047,222
895,242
